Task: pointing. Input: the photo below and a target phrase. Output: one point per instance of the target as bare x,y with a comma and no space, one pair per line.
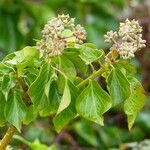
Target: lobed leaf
74,57
54,99
7,84
135,102
23,58
93,102
66,98
30,115
124,64
15,109
37,88
89,53
118,86
66,110
67,67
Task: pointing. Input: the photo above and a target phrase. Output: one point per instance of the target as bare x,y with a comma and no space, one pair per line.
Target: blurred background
21,22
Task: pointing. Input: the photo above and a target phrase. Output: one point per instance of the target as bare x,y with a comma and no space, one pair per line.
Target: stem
7,137
96,73
93,76
92,67
60,72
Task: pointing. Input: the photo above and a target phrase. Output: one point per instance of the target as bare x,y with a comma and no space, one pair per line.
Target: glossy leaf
66,98
37,88
93,102
73,56
135,102
118,86
124,64
29,78
54,99
5,69
15,109
30,115
60,83
29,51
66,111
89,55
18,58
7,84
67,67
67,33
23,58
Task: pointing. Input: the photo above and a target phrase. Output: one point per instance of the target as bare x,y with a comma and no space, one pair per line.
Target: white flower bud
128,40
57,34
110,36
79,33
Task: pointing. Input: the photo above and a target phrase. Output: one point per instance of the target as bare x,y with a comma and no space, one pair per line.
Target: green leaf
23,58
66,33
36,145
30,59
124,64
29,78
2,106
29,51
118,86
77,61
66,111
67,67
135,102
30,115
15,109
89,45
93,102
52,147
53,98
89,54
18,58
7,84
66,98
60,83
5,69
37,88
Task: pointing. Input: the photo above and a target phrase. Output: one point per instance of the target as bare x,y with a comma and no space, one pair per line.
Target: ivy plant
59,77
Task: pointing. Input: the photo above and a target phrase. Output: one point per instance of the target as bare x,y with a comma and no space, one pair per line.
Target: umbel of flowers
127,40
57,34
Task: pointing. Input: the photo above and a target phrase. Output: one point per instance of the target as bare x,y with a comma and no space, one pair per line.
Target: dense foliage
59,80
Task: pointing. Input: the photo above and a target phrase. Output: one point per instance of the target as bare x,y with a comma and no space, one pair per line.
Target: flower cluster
57,34
127,40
